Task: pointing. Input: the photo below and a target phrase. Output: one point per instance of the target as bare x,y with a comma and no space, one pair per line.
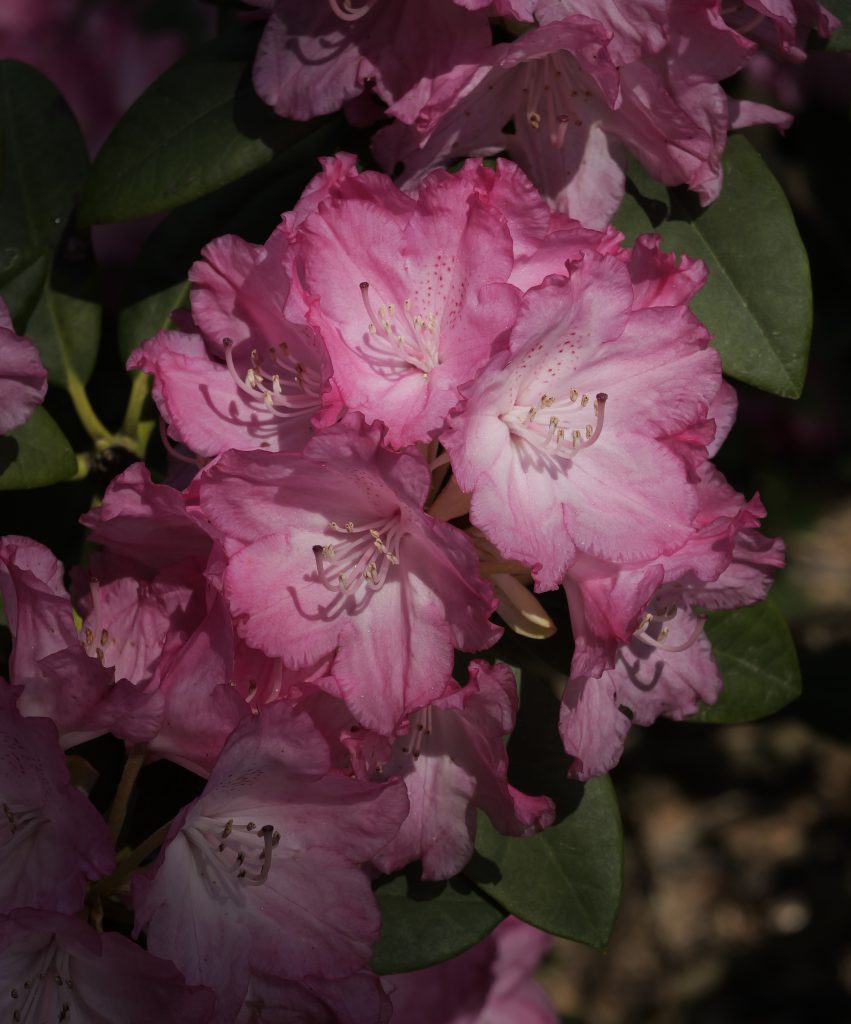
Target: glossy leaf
424,923
758,663
757,302
567,879
250,208
199,127
35,454
44,165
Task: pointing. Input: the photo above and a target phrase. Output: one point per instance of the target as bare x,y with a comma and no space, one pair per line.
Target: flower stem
83,407
126,784
139,390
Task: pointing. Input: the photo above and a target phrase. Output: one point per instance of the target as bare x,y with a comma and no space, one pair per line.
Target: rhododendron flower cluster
428,414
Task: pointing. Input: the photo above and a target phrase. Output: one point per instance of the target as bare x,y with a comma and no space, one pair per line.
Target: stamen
346,12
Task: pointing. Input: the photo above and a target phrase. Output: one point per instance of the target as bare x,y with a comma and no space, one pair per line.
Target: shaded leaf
199,127
35,454
44,166
566,880
424,923
758,663
757,302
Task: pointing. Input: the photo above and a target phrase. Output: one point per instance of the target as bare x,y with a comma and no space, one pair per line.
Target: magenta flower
491,983
313,58
453,760
331,553
260,874
57,968
408,293
23,380
563,442
779,27
52,840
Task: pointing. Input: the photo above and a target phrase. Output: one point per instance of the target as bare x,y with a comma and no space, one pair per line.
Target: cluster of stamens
290,389
365,554
36,997
550,93
547,425
654,630
395,335
231,856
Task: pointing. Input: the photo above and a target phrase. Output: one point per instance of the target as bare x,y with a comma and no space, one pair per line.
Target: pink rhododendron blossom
313,58
569,97
52,840
779,27
56,968
492,983
409,294
358,999
453,760
250,378
658,659
52,676
23,380
563,441
331,553
152,615
260,874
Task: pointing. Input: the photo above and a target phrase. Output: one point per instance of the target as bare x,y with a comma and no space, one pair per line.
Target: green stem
88,417
139,390
132,861
118,811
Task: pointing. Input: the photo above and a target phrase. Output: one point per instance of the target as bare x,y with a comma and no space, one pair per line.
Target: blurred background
738,873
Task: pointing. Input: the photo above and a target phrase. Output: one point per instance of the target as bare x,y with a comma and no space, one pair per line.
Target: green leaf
35,454
840,41
424,923
757,301
44,164
758,663
199,127
65,324
250,208
566,880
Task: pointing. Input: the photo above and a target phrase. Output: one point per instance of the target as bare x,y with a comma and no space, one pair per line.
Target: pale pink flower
23,380
658,661
409,294
250,378
50,672
331,553
154,617
453,761
260,874
492,983
57,968
52,840
314,57
568,98
563,442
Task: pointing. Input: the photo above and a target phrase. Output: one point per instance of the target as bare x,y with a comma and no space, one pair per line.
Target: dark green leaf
199,127
35,454
840,41
758,664
424,923
566,880
757,301
65,324
250,208
44,165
